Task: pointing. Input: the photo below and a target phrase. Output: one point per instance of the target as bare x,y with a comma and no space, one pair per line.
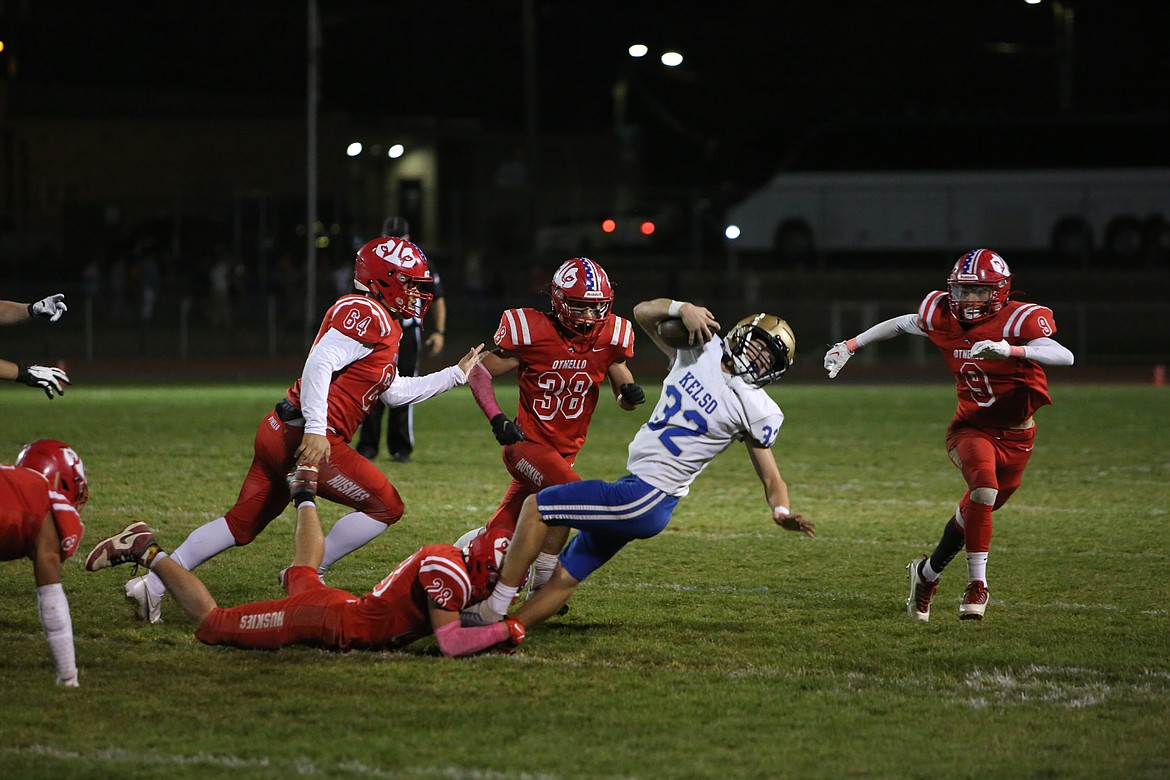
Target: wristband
781,509
673,309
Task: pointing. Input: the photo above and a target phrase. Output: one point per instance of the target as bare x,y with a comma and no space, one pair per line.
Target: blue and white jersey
701,412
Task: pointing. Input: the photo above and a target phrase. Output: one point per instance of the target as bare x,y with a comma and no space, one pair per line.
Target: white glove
50,308
991,349
48,378
479,615
836,358
69,683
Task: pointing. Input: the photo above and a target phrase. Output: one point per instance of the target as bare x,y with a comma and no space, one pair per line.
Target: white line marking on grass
1071,687
299,766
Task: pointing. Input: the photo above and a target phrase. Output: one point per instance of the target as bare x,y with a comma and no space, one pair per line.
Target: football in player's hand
672,331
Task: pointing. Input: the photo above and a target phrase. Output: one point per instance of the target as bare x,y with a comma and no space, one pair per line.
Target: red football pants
988,458
346,478
533,467
311,615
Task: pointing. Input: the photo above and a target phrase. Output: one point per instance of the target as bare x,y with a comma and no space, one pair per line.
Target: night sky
758,75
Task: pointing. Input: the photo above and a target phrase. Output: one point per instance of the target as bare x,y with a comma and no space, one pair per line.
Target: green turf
725,647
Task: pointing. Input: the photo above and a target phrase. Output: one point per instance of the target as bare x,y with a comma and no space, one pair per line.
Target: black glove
633,394
48,378
506,431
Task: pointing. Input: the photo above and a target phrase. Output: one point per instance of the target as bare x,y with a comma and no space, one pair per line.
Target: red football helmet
484,556
392,269
59,464
581,294
979,285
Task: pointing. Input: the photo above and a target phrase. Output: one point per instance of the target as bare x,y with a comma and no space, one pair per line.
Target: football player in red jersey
49,378
561,357
352,363
996,348
423,595
43,493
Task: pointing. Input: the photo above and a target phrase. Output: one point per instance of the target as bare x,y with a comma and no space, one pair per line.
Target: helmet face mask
760,348
581,295
58,463
979,285
396,272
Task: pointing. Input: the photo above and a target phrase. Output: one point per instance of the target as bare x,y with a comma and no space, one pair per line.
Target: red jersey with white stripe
25,501
397,612
355,387
999,393
559,376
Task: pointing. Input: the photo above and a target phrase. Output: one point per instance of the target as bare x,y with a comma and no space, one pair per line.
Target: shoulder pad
360,318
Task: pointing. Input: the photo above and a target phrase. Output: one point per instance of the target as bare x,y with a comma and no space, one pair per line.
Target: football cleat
147,606
130,545
974,602
921,591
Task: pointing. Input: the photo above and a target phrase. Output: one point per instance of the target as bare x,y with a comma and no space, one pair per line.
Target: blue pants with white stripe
607,515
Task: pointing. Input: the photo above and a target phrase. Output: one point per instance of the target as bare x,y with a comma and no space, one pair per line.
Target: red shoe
921,591
974,602
130,545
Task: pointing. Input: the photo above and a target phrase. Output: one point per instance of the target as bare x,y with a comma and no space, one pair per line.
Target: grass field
724,647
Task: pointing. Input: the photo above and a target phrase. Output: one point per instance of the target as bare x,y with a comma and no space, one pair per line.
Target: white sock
204,543
355,530
977,567
542,569
928,574
501,598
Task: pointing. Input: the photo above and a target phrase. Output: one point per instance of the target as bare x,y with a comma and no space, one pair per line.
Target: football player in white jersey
712,397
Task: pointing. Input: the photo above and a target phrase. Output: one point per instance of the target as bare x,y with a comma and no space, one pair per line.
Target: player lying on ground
713,396
423,595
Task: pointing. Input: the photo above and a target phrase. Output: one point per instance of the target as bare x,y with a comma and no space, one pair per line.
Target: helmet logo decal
397,252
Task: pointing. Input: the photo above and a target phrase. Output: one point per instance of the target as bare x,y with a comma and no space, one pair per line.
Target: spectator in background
219,279
400,419
48,378
148,277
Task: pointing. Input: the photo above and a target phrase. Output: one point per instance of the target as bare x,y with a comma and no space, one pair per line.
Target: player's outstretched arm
839,354
456,640
483,391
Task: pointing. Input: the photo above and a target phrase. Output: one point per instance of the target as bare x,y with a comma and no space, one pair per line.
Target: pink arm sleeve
480,381
455,640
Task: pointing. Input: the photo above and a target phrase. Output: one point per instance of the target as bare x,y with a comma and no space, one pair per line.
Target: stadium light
638,50
354,149
672,59
396,151
731,232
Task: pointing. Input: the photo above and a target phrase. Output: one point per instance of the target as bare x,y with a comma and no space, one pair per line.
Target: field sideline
725,647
